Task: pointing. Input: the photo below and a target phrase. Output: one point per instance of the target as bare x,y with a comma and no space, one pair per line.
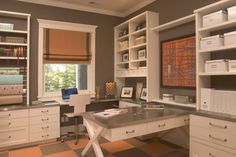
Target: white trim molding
90,9
65,26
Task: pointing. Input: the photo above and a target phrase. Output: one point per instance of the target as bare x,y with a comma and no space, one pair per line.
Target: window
66,57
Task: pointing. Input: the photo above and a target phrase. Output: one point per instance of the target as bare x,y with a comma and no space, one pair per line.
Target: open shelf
224,25
123,50
217,74
138,60
121,63
14,31
123,37
139,32
175,23
192,105
138,46
13,58
223,48
13,44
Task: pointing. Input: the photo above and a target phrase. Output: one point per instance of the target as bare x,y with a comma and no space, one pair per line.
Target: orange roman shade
63,46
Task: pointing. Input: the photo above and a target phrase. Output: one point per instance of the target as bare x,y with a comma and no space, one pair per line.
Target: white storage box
232,66
168,97
206,98
213,66
232,13
6,26
214,18
211,42
230,38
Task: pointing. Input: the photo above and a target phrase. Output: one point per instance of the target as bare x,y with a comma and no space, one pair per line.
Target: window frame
49,24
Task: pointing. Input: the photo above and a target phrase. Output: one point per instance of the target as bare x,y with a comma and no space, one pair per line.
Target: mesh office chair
79,102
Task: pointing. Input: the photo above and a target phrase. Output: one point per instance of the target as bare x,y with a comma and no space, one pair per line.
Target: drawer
201,150
11,123
45,119
167,124
221,126
14,114
44,111
44,136
125,132
14,136
44,127
227,140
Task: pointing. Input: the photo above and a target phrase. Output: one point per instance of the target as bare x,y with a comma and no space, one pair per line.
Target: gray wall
104,37
170,10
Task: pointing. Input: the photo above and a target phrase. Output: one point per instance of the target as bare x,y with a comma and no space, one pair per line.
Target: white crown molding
89,9
137,7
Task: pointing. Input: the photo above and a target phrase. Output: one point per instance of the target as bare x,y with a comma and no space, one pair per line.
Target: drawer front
201,150
43,128
213,124
44,111
227,140
44,136
167,124
45,119
14,114
11,123
14,136
127,132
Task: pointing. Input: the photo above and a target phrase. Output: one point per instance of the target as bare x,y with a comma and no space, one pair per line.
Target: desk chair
79,102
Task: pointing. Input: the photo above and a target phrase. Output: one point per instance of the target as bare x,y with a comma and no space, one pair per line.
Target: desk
135,122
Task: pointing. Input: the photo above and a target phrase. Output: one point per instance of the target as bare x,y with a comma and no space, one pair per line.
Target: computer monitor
67,92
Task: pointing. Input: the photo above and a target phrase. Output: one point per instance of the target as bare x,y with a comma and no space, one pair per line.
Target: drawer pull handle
186,120
218,139
162,125
211,155
130,132
46,111
45,119
218,126
47,127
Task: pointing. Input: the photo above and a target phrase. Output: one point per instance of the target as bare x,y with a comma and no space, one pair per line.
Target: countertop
136,115
21,106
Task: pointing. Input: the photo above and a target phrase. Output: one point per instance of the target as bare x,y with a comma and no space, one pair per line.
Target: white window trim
65,26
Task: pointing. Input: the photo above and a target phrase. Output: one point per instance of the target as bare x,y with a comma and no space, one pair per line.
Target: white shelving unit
22,31
163,27
203,78
136,67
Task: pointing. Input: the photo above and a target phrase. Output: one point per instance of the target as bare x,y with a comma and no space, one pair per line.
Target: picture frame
127,92
125,57
142,54
143,95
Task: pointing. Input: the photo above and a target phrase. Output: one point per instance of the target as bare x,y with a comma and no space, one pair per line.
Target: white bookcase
131,37
203,78
21,23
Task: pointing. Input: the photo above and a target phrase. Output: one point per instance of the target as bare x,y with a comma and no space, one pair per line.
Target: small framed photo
126,92
125,57
142,54
143,95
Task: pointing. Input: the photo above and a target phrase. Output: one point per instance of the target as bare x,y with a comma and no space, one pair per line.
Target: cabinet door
13,114
44,111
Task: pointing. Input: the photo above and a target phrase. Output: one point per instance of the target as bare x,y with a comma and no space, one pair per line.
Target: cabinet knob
9,137
9,123
162,125
218,126
211,155
217,139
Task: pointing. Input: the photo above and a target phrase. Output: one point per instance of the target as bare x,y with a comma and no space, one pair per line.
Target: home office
144,78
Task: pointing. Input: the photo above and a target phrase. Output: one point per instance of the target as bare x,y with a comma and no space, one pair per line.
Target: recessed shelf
223,48
190,105
138,46
138,60
123,37
14,31
13,44
217,74
13,58
139,32
224,25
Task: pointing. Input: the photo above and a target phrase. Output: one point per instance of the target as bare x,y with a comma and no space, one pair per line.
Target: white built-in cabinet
136,52
29,125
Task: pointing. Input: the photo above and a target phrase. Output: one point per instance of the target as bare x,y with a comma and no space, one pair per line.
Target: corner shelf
191,105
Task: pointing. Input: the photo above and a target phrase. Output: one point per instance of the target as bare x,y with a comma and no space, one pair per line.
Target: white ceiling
120,8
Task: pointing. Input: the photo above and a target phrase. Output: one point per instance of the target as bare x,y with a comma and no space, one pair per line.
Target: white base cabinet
211,137
29,125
